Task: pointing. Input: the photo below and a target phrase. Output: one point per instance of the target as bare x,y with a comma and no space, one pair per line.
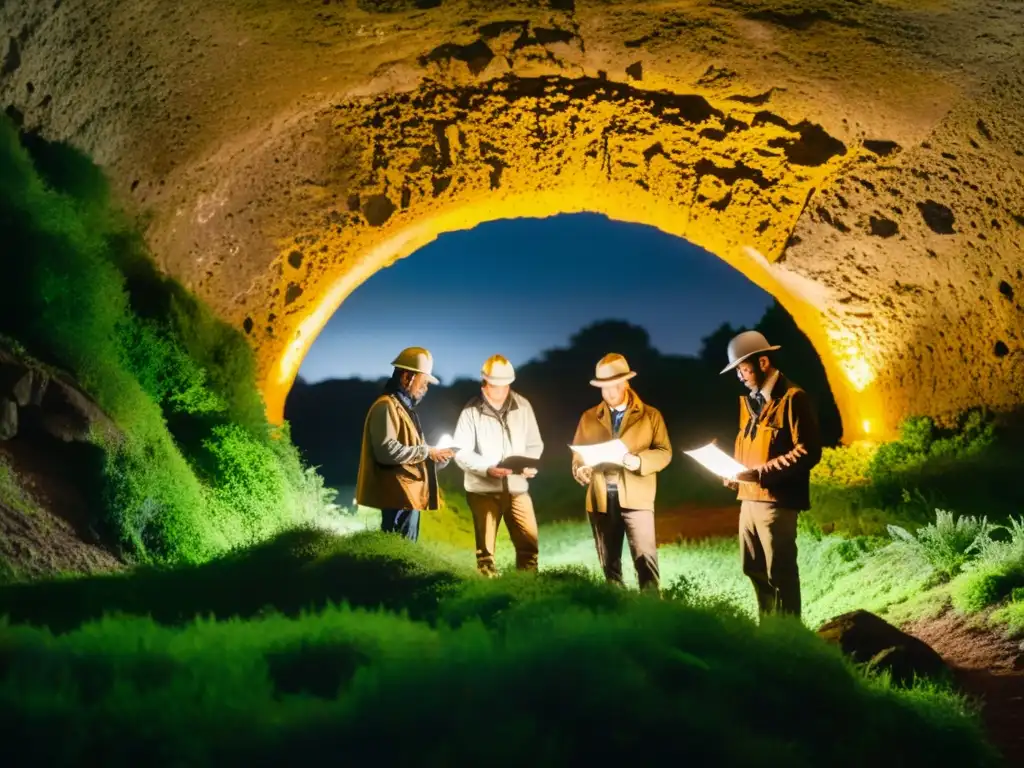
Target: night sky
519,286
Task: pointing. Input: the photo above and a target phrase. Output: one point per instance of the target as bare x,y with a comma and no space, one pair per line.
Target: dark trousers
403,521
768,553
637,526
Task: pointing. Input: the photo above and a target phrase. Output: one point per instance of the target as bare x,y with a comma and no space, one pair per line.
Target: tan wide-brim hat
744,345
417,360
497,370
611,369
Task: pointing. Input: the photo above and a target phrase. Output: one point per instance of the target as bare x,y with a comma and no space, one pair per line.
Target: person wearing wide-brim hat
620,498
779,443
397,469
496,433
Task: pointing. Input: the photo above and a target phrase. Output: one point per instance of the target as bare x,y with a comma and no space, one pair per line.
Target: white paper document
611,452
716,460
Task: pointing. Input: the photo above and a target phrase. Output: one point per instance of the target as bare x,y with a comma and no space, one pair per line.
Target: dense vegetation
198,470
531,660
356,643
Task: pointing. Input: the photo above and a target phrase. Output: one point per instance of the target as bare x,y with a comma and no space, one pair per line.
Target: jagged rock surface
863,161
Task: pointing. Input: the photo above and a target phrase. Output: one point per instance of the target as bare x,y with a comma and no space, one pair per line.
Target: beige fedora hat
417,360
746,345
498,370
611,369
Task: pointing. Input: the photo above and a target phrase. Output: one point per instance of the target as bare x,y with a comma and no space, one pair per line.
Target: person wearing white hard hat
779,443
494,426
397,469
620,498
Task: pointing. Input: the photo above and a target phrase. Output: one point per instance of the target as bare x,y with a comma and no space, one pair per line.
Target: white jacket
483,441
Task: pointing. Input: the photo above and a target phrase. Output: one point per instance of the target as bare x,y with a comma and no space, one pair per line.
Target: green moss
546,655
199,470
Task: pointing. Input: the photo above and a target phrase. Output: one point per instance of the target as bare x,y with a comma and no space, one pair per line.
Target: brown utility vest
396,486
783,424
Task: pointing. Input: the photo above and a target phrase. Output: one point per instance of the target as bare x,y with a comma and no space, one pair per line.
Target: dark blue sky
519,286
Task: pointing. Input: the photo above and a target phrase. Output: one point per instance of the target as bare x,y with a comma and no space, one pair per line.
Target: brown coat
783,448
395,486
644,433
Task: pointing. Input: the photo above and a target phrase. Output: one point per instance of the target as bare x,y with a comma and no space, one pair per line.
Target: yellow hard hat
498,370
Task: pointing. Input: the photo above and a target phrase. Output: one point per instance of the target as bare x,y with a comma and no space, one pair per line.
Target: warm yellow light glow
851,358
867,426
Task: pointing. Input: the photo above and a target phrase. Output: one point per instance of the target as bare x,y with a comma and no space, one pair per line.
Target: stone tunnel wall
862,161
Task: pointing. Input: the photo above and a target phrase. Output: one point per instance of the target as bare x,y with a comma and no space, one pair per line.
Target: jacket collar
779,389
634,410
478,402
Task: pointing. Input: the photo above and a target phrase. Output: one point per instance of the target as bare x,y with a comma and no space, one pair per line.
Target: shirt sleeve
534,443
656,457
803,426
465,437
384,439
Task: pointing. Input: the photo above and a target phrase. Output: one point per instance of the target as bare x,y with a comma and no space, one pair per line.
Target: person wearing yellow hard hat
499,445
397,469
779,443
621,493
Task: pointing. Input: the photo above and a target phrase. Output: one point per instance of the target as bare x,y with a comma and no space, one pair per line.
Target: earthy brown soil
989,668
41,544
692,522
55,538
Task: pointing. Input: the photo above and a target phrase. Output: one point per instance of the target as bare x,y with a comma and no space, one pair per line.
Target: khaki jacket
782,444
485,439
644,433
384,484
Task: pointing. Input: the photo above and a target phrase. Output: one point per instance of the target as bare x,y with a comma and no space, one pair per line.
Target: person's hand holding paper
712,458
611,452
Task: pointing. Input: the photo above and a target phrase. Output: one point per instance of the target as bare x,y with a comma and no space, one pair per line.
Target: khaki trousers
517,509
637,526
768,554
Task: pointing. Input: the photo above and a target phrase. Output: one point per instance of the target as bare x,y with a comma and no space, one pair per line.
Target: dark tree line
698,403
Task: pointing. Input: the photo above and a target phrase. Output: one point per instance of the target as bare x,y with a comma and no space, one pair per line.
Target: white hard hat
417,360
744,345
498,370
611,369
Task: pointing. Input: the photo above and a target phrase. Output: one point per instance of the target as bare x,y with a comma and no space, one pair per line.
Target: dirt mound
40,545
989,668
49,466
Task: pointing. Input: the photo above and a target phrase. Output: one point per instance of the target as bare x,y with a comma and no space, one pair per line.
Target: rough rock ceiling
861,160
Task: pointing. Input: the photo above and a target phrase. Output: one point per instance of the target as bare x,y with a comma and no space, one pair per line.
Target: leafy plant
948,543
198,470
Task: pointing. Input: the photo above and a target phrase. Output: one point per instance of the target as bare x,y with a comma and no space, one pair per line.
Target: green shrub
995,573
1011,616
862,488
983,587
948,543
199,470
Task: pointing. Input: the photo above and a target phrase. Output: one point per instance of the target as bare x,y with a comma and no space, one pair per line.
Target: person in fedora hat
620,499
494,425
397,469
779,443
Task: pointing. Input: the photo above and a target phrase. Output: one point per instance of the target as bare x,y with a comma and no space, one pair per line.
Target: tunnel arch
290,149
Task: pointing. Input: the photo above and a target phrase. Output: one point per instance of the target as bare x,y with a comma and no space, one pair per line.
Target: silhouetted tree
698,403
